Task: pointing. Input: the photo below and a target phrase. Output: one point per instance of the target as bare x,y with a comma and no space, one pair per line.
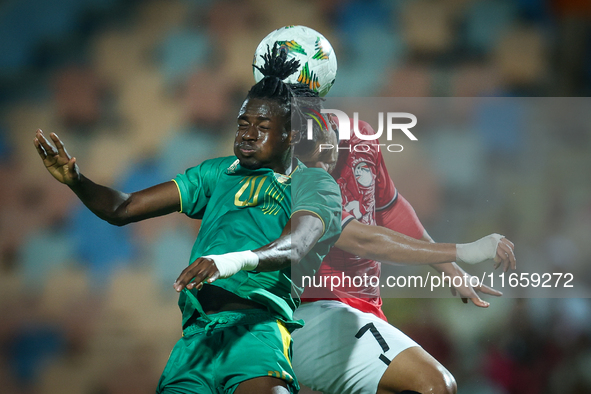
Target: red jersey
369,196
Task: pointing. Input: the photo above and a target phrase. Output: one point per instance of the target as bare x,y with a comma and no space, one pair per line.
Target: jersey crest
363,174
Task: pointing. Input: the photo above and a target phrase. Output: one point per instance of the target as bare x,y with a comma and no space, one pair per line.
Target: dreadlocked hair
275,63
276,67
294,98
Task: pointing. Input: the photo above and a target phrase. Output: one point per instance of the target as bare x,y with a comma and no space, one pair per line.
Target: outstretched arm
298,237
115,207
385,245
388,246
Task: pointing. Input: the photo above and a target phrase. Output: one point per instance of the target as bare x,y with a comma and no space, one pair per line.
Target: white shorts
341,350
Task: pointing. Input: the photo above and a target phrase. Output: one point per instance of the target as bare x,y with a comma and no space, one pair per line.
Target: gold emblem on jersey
254,184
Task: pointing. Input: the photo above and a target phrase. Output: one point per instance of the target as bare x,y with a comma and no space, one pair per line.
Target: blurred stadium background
141,90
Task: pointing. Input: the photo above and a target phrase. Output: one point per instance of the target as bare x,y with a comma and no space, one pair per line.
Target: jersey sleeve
196,186
401,217
346,218
316,192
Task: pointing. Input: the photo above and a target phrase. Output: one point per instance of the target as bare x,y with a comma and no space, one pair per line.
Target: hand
469,292
201,270
505,255
493,246
465,290
58,162
216,266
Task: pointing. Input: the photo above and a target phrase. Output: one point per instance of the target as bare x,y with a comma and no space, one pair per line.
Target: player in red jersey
346,345
366,354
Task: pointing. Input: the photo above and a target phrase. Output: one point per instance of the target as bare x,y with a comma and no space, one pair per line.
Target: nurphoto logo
344,129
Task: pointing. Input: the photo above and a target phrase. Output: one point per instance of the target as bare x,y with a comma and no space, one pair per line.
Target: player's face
325,159
262,140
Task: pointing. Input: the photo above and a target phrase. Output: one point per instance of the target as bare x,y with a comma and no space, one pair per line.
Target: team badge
363,174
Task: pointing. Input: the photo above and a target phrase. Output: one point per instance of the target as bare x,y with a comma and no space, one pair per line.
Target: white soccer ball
318,62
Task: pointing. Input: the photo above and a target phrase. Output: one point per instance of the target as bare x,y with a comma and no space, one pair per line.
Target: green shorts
218,352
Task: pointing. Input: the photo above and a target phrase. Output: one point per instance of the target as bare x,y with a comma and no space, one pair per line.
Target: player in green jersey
262,210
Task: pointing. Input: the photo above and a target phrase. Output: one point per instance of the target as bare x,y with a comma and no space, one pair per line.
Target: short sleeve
197,184
315,191
346,218
401,217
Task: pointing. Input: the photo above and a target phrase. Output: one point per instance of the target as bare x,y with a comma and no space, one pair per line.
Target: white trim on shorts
341,350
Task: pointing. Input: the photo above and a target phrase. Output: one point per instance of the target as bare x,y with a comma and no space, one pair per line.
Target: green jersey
243,209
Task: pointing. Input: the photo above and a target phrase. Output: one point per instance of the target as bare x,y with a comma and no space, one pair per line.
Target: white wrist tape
230,263
478,251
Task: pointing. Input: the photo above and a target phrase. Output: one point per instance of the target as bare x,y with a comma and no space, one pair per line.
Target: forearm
385,245
450,268
298,238
397,248
106,203
276,255
447,268
120,208
291,246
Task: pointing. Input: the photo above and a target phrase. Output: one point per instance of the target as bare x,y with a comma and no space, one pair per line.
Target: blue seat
100,245
181,52
43,251
486,20
186,149
500,124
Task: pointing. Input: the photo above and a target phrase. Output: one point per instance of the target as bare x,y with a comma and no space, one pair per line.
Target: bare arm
115,207
385,245
388,246
298,237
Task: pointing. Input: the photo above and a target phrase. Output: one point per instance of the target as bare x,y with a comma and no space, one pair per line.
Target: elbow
120,216
117,218
116,221
296,256
358,239
364,248
298,252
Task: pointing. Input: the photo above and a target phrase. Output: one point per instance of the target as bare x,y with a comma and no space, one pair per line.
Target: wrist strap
230,263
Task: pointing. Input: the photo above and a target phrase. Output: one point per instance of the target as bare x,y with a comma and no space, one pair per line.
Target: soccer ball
318,62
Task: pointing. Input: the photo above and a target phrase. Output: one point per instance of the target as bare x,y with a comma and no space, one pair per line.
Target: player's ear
295,136
333,124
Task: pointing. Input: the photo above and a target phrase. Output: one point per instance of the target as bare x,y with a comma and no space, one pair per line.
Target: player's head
265,135
318,155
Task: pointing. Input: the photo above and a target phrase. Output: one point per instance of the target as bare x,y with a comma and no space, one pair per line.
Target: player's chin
249,162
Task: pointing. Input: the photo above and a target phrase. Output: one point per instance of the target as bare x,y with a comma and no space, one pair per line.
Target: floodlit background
141,90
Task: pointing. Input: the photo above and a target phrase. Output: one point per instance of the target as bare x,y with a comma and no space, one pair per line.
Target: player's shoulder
303,173
316,186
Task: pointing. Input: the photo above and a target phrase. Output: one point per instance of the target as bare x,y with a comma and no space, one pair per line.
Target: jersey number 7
376,334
